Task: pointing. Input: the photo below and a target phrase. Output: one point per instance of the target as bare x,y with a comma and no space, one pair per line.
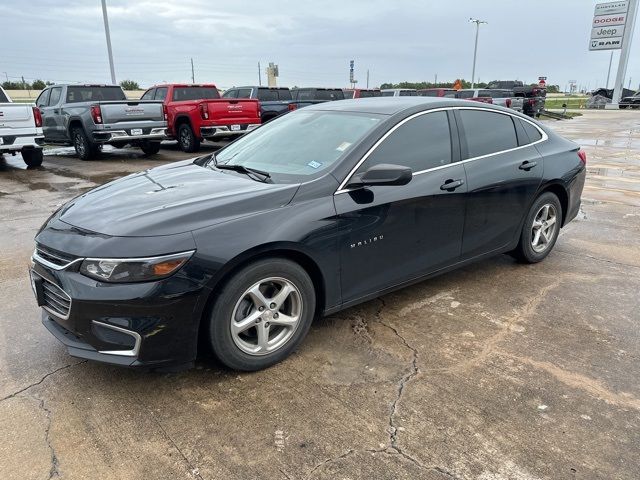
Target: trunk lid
129,111
16,115
233,111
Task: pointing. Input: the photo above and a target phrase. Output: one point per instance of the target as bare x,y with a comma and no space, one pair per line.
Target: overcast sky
312,42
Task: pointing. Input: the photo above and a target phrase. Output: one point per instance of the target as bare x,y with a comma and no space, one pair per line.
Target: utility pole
6,75
609,72
632,13
475,49
259,75
108,35
436,81
193,75
367,78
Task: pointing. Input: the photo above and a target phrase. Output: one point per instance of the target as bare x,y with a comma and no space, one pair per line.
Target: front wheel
540,230
187,139
32,157
150,148
262,314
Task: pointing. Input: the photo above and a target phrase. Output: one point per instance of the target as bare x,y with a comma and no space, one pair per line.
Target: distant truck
399,92
195,112
21,130
534,96
89,116
632,101
274,101
361,93
303,97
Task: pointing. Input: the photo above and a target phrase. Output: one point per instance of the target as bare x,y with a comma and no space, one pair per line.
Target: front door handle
450,185
526,165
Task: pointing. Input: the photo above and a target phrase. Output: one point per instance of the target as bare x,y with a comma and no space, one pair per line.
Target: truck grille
58,259
56,300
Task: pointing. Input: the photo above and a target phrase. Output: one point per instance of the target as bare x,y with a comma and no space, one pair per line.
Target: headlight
124,270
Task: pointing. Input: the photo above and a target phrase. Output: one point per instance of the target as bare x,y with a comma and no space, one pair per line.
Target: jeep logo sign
607,32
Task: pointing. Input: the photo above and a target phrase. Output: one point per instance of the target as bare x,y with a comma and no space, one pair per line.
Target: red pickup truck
196,112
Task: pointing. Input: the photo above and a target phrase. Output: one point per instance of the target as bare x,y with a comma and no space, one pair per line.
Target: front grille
54,257
56,300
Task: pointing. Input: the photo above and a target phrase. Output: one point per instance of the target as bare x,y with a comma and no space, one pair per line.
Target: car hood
172,199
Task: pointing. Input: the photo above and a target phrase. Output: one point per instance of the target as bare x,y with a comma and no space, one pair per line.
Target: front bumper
222,131
126,136
148,324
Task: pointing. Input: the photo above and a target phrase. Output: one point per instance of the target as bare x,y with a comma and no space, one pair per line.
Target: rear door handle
527,165
450,185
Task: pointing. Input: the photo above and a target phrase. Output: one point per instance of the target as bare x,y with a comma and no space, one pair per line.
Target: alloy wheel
79,143
266,316
543,228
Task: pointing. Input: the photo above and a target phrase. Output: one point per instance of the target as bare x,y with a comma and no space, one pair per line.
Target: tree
13,85
129,85
38,84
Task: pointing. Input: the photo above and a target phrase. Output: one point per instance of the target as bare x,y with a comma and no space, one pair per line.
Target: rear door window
161,93
55,96
148,95
532,132
487,132
230,94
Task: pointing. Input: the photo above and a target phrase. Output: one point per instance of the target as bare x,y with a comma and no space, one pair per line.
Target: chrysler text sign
611,8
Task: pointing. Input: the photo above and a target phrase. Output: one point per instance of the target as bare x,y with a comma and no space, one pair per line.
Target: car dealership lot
496,371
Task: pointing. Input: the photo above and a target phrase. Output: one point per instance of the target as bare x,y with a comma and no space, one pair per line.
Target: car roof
393,105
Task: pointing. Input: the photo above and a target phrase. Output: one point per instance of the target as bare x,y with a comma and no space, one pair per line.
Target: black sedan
314,212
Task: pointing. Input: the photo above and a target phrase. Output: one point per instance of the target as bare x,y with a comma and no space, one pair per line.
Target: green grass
572,102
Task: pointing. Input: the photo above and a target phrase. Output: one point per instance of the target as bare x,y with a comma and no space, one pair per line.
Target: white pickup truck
21,130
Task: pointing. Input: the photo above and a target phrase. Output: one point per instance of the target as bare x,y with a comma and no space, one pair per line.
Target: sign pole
609,71
632,13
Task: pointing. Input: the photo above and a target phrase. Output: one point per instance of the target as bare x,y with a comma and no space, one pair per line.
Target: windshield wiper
246,170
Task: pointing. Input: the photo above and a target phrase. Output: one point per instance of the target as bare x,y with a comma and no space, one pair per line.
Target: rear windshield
194,93
269,94
465,94
3,97
408,93
387,94
428,93
367,93
320,95
94,94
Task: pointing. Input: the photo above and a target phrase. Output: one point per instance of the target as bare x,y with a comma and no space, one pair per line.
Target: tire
150,148
533,247
187,139
635,107
242,349
32,157
623,107
85,149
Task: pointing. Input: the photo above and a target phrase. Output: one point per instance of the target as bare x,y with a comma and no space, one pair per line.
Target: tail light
583,156
37,116
292,107
96,114
165,111
532,101
508,103
204,112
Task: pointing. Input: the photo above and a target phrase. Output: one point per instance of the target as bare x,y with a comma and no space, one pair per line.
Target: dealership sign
607,28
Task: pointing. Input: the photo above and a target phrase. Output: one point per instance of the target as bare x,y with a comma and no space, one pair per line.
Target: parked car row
89,116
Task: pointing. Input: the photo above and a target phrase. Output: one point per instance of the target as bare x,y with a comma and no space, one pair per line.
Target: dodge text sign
608,20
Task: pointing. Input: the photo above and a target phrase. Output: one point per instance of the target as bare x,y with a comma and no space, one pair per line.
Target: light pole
475,49
106,32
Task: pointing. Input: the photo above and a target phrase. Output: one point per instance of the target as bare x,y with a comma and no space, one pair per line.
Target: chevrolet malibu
316,211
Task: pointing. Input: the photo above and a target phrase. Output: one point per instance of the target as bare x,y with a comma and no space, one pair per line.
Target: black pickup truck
274,101
631,101
534,96
303,97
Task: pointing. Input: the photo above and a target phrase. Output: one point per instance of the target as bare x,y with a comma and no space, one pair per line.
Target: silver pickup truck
89,116
21,130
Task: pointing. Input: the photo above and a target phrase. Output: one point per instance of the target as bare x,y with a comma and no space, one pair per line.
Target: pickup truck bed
21,130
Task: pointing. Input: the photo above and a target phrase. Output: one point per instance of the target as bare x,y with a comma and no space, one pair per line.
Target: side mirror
383,174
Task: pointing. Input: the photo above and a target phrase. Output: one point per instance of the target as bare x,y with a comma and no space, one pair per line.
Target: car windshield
300,145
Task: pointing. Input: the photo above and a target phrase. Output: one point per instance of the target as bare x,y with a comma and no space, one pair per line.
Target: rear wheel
187,139
623,107
540,230
150,148
262,314
32,157
85,149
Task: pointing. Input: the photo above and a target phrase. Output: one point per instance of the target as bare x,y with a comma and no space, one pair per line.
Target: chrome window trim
342,187
123,353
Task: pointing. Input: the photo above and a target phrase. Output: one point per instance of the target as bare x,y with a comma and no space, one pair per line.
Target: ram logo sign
606,44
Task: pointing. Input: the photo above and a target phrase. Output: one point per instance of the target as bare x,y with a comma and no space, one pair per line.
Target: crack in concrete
54,471
193,470
22,390
592,257
330,460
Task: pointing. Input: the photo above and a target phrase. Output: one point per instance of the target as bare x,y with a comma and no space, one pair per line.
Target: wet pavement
496,371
